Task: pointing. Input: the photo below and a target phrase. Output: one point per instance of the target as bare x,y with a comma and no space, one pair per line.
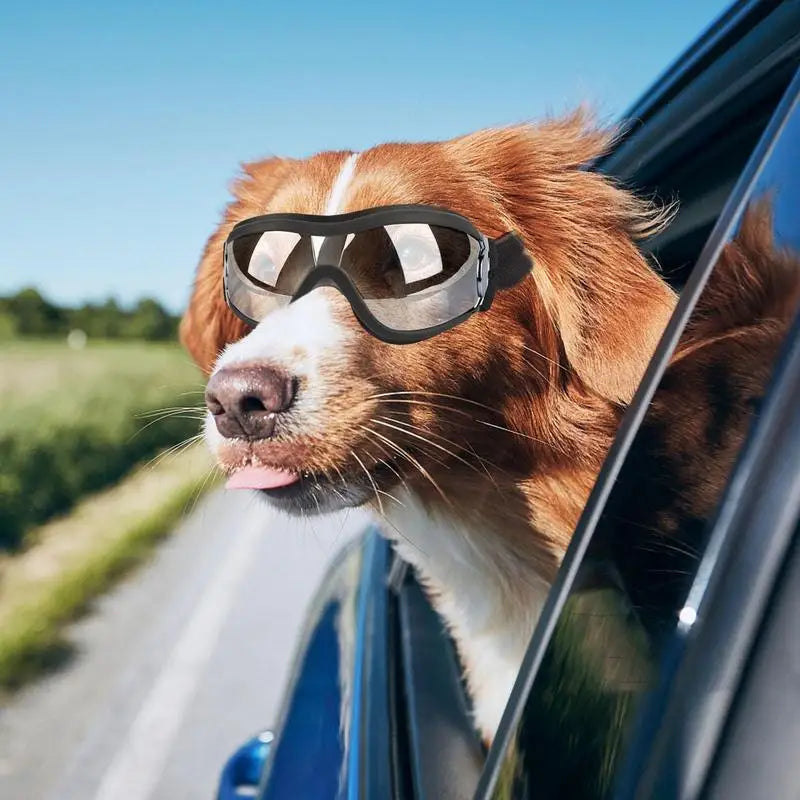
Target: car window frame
752,41
566,577
758,744
722,90
443,753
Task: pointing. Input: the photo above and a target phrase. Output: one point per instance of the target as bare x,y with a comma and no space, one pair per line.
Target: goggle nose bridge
330,249
328,275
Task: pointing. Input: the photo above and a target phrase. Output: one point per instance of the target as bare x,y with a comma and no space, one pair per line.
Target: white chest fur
489,600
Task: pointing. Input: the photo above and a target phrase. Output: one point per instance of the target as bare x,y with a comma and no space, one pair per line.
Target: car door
375,706
656,642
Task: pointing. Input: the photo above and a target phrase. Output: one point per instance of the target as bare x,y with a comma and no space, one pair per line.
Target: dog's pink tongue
260,478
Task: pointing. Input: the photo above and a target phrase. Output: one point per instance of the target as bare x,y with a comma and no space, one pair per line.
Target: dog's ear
208,324
609,306
756,281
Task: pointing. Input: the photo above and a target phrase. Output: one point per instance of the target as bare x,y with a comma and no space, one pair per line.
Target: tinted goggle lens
410,276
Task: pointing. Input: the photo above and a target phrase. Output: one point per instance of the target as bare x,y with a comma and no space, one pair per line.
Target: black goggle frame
502,262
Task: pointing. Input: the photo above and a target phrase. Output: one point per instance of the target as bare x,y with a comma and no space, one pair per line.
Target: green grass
53,583
73,421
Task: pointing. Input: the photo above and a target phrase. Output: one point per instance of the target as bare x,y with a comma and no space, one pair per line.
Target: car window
631,583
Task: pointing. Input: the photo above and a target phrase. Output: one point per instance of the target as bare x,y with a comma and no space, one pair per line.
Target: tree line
28,313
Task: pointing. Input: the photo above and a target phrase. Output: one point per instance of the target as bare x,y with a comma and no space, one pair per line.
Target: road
176,666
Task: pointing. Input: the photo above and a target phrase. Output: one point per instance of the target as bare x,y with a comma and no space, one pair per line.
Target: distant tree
81,318
8,325
27,313
35,316
150,320
108,320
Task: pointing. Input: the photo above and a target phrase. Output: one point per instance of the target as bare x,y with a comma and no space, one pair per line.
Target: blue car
667,674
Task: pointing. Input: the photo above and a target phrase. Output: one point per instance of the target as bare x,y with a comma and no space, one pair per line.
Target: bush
76,435
44,471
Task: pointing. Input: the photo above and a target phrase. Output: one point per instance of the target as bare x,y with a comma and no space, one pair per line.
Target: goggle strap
509,262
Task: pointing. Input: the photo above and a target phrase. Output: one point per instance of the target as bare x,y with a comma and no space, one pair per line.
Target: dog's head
526,389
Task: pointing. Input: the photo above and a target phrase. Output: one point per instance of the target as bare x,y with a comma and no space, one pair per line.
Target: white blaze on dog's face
508,400
307,340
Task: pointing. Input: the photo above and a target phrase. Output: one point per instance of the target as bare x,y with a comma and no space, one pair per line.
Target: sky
122,124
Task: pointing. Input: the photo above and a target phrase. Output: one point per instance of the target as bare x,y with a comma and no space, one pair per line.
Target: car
671,674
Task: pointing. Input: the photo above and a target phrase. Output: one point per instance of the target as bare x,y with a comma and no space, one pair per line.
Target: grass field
75,421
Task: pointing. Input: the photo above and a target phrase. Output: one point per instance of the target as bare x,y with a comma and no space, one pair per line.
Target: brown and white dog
478,447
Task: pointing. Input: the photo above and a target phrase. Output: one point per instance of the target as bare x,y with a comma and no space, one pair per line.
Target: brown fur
529,393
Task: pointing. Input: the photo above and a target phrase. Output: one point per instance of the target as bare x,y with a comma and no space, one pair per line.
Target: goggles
408,271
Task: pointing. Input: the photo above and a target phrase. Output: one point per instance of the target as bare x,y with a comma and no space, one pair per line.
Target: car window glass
309,755
632,583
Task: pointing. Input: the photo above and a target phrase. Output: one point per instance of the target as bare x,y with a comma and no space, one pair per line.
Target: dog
476,448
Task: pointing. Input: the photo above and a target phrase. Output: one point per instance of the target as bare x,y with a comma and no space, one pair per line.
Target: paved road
178,665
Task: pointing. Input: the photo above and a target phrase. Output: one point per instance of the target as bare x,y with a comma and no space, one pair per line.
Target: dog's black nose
245,400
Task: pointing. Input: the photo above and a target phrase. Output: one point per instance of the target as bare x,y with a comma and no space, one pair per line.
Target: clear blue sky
122,123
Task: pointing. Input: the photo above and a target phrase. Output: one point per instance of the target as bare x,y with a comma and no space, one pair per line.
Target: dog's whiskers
458,411
428,404
464,446
161,414
198,493
402,535
341,476
435,394
172,452
371,480
316,499
171,410
509,430
409,430
411,459
391,497
435,458
543,356
388,464
536,369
